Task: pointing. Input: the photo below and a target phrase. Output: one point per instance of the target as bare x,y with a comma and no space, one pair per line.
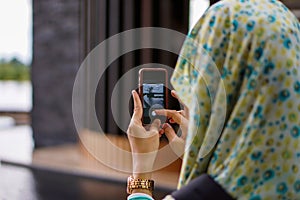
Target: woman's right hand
177,143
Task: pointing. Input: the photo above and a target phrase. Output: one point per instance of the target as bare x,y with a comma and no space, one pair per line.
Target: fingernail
133,91
165,125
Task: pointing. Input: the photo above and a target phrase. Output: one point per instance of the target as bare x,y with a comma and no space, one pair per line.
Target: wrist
142,175
142,168
142,164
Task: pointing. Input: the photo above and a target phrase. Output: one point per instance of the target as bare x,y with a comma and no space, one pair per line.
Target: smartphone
153,93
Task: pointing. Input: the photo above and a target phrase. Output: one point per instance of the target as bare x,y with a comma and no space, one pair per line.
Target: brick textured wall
55,62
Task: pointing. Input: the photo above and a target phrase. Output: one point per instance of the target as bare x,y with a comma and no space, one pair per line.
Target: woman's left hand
144,143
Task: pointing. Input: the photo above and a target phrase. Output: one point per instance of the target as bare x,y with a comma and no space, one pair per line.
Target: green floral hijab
239,75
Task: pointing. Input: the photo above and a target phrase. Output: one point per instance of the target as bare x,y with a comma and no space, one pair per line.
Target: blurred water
15,96
16,143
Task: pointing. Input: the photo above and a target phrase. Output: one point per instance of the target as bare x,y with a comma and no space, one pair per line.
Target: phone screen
153,94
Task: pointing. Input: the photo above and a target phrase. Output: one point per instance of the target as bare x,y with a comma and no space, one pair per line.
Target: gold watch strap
139,184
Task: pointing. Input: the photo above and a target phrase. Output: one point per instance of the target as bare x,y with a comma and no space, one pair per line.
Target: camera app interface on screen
153,98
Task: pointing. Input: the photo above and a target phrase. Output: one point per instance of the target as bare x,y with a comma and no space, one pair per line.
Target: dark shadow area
35,184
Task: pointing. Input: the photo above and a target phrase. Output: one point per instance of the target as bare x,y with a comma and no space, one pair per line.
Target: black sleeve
202,187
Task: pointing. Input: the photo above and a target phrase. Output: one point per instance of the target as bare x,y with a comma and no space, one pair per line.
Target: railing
21,118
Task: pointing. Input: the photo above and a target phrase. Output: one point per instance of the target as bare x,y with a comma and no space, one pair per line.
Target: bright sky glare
197,8
16,29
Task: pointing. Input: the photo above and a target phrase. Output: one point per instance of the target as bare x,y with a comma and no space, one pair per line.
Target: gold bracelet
139,184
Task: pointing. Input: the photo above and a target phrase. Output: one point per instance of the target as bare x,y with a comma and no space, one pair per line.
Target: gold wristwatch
139,184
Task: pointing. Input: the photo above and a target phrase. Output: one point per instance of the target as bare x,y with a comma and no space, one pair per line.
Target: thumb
155,126
169,132
177,144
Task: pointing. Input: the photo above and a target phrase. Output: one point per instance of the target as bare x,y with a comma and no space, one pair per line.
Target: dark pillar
211,2
55,62
104,18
